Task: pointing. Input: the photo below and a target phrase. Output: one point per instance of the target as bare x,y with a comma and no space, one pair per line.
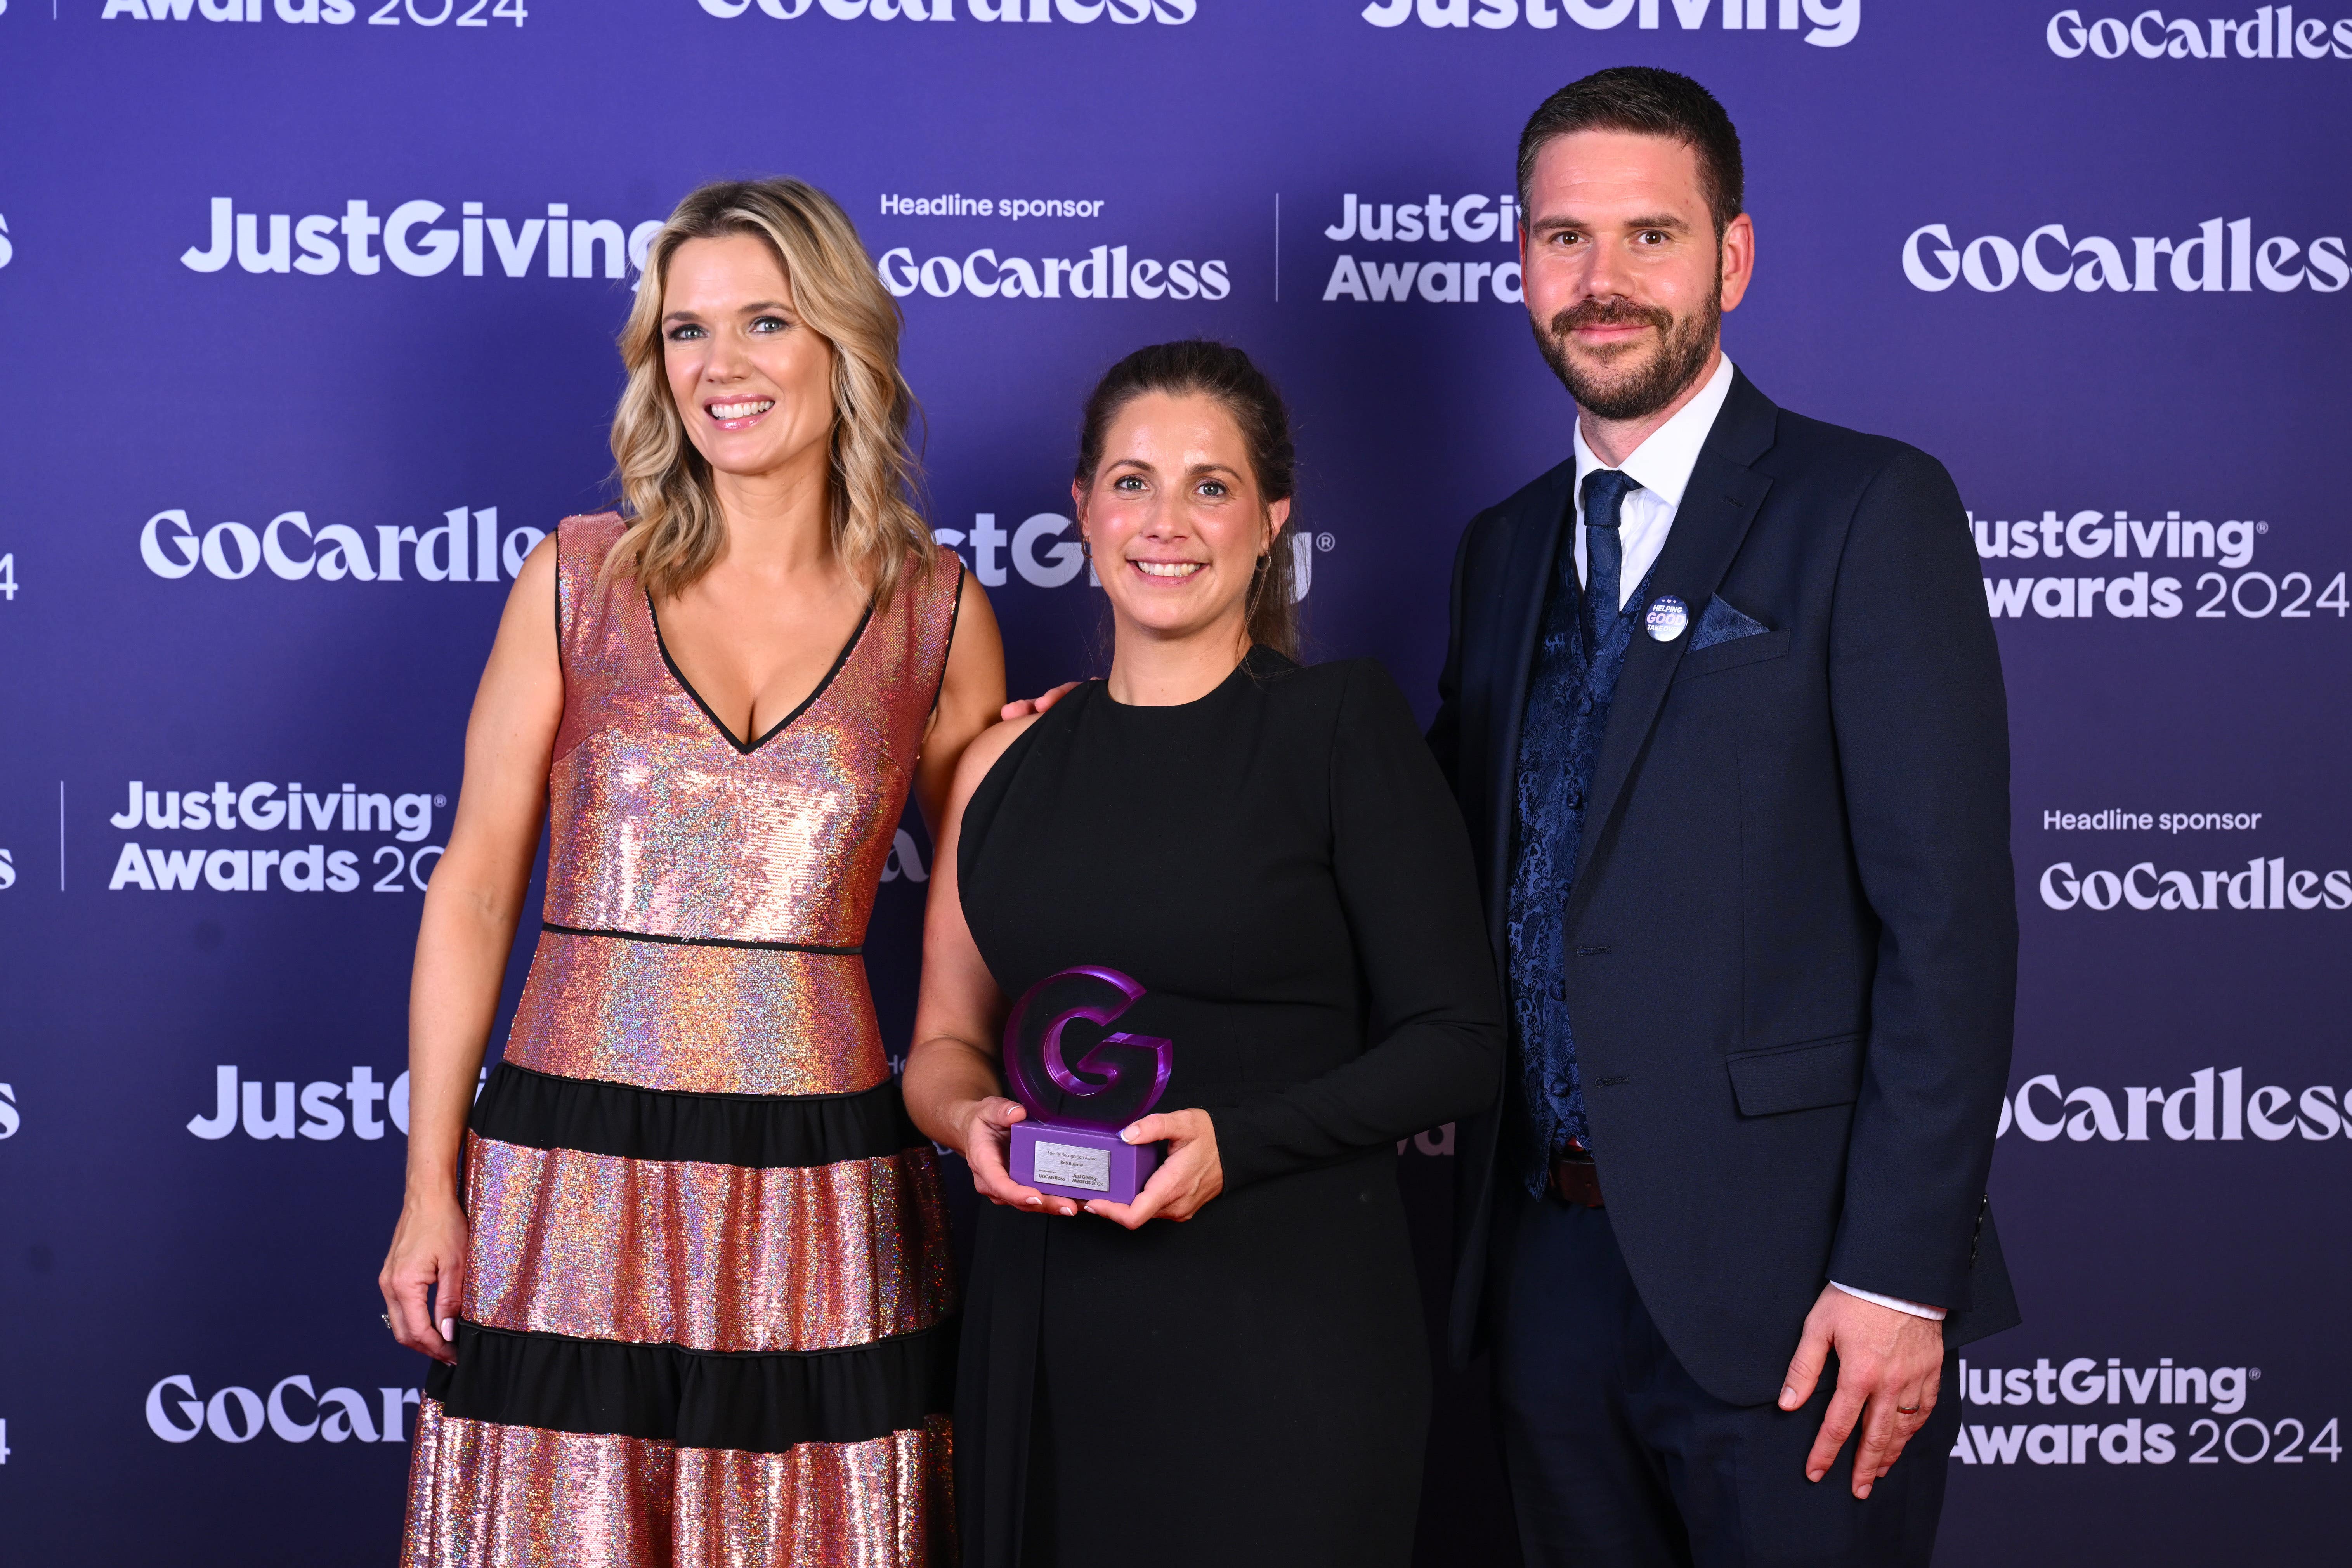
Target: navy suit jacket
1792,945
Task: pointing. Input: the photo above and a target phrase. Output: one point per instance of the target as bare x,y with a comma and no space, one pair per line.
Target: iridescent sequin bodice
706,896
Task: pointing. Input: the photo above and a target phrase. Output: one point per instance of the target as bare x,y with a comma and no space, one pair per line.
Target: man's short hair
1648,102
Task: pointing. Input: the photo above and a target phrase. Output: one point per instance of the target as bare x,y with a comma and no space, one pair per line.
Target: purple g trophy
1075,1151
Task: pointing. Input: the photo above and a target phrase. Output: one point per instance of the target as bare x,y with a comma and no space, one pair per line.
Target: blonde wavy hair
675,531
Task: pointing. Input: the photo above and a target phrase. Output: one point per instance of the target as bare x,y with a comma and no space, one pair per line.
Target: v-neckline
742,747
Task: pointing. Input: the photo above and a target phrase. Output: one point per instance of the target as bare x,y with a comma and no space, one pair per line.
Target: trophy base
1080,1163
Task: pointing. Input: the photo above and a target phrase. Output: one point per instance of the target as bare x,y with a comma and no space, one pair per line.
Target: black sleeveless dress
1281,867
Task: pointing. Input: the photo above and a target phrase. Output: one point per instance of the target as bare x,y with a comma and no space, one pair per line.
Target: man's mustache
1609,314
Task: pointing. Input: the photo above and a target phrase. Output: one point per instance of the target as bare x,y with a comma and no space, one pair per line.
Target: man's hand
1890,1366
1022,706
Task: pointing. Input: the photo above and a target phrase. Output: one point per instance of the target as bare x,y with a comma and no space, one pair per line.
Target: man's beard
1641,390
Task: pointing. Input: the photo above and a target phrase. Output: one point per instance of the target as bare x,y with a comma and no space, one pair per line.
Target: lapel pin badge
1666,619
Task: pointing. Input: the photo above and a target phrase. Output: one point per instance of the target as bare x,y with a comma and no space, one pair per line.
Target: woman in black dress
1269,850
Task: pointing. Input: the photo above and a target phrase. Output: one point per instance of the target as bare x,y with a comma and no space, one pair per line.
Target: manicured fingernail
1127,1135
448,1328
1863,1490
1034,1200
1814,1475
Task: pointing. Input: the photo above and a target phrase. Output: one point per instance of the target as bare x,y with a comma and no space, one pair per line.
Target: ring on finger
1906,1410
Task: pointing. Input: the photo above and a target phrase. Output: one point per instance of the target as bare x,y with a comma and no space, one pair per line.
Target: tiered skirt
698,1329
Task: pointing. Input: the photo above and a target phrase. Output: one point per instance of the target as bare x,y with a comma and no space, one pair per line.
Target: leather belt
1576,1180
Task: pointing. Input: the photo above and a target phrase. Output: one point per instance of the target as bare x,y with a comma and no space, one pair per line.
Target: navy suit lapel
1719,503
1528,563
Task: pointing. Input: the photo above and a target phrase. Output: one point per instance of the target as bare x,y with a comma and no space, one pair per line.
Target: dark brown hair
1648,102
1196,367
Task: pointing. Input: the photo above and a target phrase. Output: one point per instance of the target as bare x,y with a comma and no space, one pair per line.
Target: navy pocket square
1720,623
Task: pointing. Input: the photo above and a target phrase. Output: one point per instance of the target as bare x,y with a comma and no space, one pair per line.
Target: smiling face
1175,518
754,386
1626,281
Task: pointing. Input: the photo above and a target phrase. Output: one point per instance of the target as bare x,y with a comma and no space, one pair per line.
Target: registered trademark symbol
440,800
2256,1374
2262,528
1325,541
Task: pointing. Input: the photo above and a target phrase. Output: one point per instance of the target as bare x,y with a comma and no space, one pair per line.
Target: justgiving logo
575,247
1835,22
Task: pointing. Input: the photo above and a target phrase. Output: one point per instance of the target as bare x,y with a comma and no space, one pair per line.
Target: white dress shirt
1661,466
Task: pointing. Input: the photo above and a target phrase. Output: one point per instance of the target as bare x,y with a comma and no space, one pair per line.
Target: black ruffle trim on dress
762,1131
754,1401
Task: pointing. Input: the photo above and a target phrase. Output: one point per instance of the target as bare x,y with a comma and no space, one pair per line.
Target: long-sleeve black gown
1282,868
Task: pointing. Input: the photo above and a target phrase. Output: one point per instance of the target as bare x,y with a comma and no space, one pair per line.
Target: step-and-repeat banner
308,309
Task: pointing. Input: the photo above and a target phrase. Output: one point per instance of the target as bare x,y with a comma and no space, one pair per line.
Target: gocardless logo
1104,272
293,1411
2219,257
2269,885
2213,1107
466,547
1074,13
2271,33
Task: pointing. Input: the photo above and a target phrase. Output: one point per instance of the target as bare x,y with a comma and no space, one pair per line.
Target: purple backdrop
307,312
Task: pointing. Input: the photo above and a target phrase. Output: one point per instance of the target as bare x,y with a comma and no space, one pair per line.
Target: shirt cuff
1935,1314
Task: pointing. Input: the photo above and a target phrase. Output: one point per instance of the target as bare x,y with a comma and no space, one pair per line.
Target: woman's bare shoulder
985,751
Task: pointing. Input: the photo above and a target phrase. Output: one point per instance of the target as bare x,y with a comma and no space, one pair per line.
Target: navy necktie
1605,491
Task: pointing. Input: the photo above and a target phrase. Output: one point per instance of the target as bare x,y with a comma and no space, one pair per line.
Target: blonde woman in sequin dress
686,1256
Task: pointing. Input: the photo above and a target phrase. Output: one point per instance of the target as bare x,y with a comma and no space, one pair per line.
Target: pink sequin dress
708,1317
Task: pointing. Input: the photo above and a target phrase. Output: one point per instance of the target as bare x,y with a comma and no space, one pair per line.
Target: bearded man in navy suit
1723,710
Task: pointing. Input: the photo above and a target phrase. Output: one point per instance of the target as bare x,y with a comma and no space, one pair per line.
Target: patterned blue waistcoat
1569,697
